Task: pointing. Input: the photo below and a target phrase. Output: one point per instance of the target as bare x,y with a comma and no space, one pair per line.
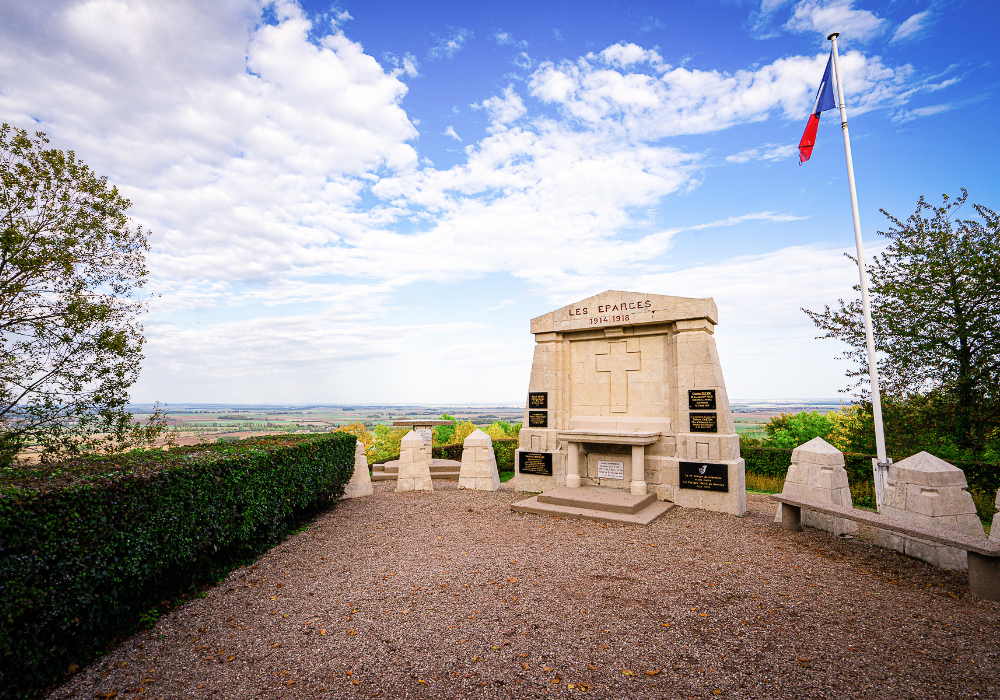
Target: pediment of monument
617,308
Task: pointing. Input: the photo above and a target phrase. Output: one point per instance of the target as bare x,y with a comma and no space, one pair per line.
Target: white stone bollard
479,463
361,481
995,528
817,473
930,492
414,464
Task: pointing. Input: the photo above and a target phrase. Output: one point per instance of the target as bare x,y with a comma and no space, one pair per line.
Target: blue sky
367,202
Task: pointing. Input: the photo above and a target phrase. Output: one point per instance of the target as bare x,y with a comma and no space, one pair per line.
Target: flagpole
879,466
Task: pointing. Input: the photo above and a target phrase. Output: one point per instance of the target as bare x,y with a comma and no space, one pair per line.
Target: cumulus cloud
447,47
911,27
503,38
277,166
654,100
505,108
450,131
826,16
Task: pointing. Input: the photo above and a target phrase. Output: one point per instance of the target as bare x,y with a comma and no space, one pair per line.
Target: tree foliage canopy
71,271
935,299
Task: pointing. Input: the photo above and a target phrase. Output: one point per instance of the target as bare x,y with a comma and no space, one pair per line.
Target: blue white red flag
824,101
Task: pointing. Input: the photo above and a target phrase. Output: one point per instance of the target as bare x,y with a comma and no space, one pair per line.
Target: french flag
824,101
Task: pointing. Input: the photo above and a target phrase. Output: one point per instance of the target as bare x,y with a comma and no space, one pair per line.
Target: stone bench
984,555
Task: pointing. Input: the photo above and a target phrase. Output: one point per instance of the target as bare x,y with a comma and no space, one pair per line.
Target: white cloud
448,46
450,131
278,169
503,38
911,114
826,16
770,151
505,109
912,26
668,101
756,216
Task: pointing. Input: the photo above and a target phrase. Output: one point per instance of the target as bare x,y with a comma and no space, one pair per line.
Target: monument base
593,503
440,469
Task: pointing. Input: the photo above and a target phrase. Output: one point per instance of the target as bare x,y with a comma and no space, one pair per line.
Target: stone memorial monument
626,393
926,490
817,473
414,464
479,463
361,481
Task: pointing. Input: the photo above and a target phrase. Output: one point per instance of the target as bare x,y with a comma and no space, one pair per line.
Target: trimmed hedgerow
502,448
983,477
86,546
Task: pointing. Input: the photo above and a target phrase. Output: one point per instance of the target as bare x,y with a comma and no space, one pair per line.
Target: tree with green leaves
72,268
935,299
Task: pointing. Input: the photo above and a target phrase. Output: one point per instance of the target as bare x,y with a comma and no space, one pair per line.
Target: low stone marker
479,463
361,481
995,528
928,491
817,474
414,464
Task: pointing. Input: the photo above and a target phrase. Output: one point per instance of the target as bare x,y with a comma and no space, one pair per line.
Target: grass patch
765,483
506,476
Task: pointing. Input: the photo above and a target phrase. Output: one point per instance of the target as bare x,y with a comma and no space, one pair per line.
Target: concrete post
638,470
573,467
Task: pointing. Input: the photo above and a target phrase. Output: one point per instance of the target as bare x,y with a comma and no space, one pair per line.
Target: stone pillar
361,481
995,528
479,463
928,491
573,468
414,465
638,470
817,473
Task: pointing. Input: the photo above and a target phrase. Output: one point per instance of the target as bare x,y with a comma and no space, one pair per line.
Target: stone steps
440,469
593,503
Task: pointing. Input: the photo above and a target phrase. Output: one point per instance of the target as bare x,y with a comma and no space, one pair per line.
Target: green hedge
87,546
503,449
774,461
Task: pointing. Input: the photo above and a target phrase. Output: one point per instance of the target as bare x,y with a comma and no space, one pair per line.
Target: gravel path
449,594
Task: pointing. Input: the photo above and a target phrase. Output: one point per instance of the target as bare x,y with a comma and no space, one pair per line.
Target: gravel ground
449,594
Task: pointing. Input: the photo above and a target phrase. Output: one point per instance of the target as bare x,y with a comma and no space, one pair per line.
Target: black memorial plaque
704,477
538,419
701,399
704,423
538,399
538,463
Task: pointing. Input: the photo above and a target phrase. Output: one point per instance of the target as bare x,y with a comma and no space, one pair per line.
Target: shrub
88,545
503,449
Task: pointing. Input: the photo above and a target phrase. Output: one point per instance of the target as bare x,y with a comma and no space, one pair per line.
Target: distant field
196,423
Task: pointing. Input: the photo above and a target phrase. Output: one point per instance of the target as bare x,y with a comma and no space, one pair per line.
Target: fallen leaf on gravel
604,646
654,673
716,692
664,624
230,658
352,632
546,668
201,629
525,666
422,682
275,646
626,672
592,667
704,614
512,579
323,632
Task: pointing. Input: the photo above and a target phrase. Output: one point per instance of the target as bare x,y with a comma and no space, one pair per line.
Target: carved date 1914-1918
595,320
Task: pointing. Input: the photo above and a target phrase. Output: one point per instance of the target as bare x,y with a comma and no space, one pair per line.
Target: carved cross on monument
618,361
